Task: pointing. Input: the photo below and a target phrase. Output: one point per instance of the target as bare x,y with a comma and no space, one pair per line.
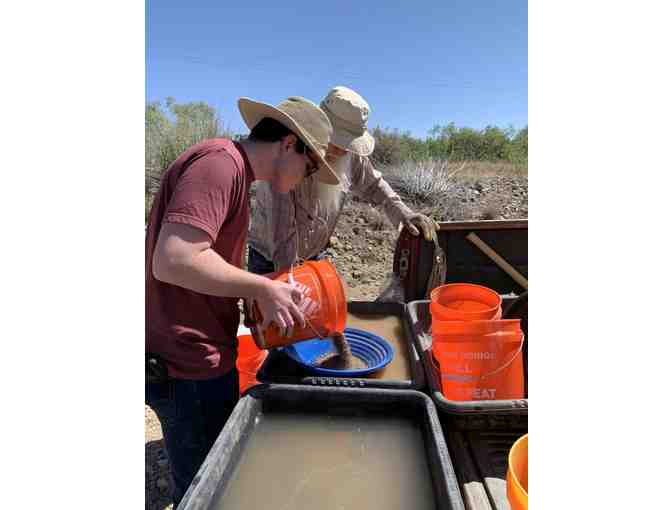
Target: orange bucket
249,361
516,475
465,302
326,315
480,360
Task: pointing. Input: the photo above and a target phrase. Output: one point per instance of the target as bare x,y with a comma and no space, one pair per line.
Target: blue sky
418,63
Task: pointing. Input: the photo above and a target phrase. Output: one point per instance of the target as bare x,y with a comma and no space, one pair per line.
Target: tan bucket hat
304,118
348,113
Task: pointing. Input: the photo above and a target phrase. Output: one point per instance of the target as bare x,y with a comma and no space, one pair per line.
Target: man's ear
289,141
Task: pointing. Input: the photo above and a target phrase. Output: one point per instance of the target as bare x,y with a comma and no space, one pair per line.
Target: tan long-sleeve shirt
298,225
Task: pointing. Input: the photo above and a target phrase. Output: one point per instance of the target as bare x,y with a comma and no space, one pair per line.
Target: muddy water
320,462
391,329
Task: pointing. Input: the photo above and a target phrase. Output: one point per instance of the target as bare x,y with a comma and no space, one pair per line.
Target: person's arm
368,184
183,256
284,234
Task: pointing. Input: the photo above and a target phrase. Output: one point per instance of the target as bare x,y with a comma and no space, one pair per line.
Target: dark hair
270,130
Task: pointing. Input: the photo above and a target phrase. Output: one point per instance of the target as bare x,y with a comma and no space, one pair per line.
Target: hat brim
361,145
253,111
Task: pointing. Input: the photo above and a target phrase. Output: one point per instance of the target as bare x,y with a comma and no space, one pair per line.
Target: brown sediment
336,362
342,359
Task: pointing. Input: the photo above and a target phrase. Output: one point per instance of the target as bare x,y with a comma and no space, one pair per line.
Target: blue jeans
192,414
258,264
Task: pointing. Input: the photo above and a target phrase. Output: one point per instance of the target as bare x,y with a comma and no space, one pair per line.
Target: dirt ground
362,248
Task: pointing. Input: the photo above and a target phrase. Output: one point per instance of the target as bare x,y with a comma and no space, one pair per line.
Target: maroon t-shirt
207,188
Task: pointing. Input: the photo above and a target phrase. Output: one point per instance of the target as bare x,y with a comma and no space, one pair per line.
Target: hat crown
345,106
310,117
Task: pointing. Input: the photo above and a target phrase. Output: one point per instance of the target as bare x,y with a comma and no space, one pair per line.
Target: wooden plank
491,450
483,225
473,492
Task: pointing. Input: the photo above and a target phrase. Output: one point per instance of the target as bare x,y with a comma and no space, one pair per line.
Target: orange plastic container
249,361
480,360
516,475
325,289
464,302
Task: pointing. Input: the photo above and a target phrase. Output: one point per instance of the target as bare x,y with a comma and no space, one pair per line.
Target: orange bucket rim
316,265
454,286
514,475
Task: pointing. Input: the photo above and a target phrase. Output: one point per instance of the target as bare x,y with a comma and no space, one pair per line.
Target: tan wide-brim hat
301,116
349,113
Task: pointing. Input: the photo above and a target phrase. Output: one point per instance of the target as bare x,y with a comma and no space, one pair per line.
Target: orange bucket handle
465,378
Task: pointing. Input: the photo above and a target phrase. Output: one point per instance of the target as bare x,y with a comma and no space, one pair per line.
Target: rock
356,230
356,274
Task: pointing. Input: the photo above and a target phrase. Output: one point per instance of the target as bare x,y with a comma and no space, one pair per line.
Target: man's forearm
208,273
396,211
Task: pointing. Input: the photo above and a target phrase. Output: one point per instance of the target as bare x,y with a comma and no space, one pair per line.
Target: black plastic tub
481,460
474,414
281,369
217,475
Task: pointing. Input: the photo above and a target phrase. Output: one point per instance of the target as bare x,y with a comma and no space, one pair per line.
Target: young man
194,250
298,225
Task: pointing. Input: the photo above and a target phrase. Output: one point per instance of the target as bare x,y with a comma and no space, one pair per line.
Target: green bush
170,128
452,144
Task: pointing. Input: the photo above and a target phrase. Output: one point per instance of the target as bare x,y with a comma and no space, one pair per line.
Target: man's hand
278,303
426,224
183,257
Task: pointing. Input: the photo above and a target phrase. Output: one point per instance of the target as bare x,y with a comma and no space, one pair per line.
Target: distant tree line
451,143
171,127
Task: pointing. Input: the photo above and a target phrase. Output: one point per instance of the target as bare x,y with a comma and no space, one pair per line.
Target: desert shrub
427,181
392,147
451,143
170,128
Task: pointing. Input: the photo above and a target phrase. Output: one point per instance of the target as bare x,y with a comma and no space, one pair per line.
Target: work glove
426,224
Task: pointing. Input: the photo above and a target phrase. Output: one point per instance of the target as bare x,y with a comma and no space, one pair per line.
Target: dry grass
472,170
433,182
449,190
428,181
